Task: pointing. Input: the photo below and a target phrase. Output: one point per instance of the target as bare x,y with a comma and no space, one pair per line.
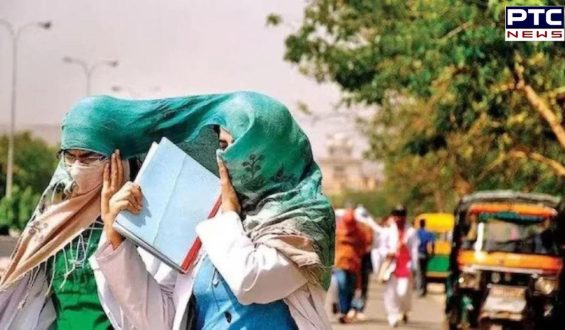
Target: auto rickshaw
506,262
441,225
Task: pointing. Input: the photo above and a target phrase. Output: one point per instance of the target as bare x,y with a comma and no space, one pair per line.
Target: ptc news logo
539,23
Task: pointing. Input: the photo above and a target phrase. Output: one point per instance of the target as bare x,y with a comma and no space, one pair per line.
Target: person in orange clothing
352,242
362,289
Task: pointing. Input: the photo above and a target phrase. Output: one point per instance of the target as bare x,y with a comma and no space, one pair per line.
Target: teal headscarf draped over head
270,161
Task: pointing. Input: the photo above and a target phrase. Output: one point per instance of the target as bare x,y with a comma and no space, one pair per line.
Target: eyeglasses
85,159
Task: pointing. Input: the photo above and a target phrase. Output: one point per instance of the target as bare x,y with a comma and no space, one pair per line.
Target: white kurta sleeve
256,273
392,239
145,303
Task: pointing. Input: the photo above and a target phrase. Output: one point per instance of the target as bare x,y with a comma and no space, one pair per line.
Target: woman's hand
115,200
230,201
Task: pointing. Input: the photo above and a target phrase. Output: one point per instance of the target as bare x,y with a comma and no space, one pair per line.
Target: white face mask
86,177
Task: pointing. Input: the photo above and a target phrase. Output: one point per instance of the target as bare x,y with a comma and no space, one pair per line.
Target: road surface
427,313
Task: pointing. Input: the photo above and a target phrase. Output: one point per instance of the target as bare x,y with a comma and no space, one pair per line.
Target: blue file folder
178,193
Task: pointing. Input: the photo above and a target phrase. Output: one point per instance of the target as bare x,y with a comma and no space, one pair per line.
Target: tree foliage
459,109
34,163
15,211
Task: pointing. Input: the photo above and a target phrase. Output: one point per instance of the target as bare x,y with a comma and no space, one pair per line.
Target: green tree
34,163
459,109
15,211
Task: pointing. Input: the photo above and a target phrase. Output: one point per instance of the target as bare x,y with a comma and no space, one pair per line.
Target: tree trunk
541,106
556,166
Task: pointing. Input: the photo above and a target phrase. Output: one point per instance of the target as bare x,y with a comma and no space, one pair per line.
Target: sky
165,48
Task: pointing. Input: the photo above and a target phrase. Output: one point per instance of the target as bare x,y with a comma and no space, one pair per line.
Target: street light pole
89,70
15,35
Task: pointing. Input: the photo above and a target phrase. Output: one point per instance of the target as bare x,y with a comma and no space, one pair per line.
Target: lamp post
89,69
15,34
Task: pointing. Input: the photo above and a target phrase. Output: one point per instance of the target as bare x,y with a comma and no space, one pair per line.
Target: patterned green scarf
270,161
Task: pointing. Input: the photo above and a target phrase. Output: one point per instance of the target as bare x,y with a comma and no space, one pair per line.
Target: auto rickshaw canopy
508,209
437,222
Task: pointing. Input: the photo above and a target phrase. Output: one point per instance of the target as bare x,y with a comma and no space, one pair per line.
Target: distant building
343,171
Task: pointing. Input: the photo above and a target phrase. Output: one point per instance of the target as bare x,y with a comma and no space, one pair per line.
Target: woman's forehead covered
103,123
270,152
80,152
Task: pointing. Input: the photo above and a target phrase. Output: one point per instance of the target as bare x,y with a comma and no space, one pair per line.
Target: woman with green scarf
49,283
266,259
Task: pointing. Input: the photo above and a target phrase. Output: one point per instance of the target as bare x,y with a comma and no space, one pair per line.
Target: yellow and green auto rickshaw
441,225
506,266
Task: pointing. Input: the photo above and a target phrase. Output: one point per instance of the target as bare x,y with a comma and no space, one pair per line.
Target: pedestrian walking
426,250
386,243
265,260
398,290
369,228
352,242
49,282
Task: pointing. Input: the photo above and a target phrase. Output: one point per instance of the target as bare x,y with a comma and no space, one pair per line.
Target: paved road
427,313
7,245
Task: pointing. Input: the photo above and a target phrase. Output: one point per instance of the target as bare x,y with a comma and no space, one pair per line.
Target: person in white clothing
235,282
398,291
386,242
